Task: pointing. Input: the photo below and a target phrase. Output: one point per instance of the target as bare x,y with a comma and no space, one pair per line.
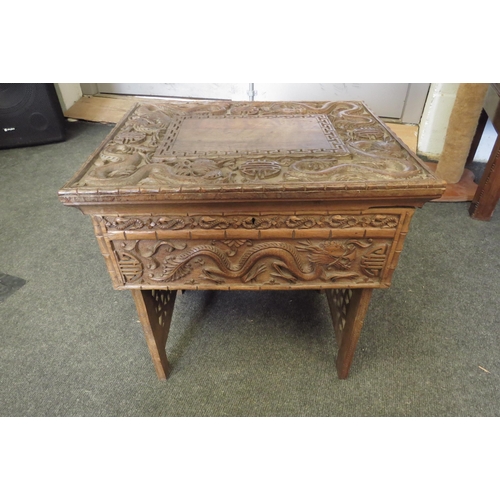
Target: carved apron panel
251,264
258,221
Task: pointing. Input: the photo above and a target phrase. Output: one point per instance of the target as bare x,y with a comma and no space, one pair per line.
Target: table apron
288,252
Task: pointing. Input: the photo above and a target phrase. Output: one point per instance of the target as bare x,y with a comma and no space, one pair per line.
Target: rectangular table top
225,150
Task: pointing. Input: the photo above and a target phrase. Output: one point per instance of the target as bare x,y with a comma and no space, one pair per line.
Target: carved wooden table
251,196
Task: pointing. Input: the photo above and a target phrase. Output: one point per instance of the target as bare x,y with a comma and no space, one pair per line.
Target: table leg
481,125
155,309
348,308
488,191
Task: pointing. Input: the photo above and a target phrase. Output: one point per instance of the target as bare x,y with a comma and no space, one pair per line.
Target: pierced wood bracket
348,308
155,309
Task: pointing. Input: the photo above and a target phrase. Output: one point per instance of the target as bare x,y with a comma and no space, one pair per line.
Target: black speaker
30,114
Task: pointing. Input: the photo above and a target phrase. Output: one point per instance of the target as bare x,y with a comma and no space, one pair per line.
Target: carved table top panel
244,150
236,135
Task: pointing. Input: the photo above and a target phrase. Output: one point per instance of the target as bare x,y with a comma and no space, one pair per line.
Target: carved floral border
178,222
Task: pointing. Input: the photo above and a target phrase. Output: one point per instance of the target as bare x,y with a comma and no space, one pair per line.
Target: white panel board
232,91
385,99
400,101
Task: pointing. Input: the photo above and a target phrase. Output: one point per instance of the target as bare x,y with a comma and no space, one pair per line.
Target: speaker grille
30,114
15,97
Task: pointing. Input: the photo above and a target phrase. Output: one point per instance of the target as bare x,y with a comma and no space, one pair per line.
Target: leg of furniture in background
155,309
483,119
348,308
488,191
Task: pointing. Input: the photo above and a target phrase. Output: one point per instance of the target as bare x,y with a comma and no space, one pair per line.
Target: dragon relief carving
233,262
367,151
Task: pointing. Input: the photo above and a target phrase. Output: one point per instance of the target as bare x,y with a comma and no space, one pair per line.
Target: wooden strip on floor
407,133
99,109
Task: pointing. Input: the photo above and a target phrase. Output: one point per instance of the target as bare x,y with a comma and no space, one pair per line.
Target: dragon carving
324,261
369,152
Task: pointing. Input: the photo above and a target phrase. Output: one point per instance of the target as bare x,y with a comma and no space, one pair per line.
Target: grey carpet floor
72,346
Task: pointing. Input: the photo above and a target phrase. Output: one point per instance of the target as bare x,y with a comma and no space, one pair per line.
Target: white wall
432,130
435,118
68,94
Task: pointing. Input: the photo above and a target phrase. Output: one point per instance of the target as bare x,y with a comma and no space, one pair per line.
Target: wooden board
99,109
407,133
229,150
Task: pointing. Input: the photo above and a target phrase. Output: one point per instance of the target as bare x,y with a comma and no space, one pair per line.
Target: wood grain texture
240,151
348,309
253,250
251,196
106,109
112,109
155,309
488,192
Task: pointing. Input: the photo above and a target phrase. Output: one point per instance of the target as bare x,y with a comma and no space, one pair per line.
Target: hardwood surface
359,154
101,109
463,190
251,196
488,192
348,309
111,109
155,309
